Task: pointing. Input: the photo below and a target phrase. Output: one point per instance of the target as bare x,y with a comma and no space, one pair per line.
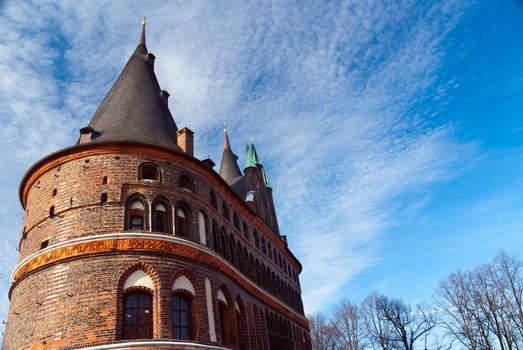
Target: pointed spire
266,179
226,143
255,157
142,35
249,160
229,169
133,110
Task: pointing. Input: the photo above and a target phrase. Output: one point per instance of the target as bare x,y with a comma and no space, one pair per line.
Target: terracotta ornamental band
169,245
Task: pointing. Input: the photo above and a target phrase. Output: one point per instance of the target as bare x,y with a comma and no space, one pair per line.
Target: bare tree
323,335
482,308
408,326
348,326
377,330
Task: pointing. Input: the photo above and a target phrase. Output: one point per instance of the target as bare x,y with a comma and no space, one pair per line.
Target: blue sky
392,131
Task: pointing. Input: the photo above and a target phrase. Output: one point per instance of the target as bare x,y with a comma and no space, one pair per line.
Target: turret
257,183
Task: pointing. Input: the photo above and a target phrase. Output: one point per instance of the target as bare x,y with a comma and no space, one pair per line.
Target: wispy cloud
328,90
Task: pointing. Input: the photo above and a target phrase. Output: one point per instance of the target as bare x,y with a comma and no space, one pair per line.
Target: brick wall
79,301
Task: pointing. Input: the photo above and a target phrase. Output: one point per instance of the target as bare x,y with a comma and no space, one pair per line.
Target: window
160,218
138,316
51,212
256,239
250,196
103,198
149,171
55,191
224,323
245,230
181,310
181,222
104,180
225,210
236,221
137,215
263,246
212,199
186,182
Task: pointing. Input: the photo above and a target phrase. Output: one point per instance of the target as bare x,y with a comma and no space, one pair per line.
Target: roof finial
142,35
226,143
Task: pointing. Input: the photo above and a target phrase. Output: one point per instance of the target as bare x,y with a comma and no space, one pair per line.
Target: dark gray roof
239,186
133,110
229,170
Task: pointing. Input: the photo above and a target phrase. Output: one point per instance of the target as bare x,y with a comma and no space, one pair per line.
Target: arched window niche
224,319
161,215
182,309
136,213
212,199
182,220
202,228
138,306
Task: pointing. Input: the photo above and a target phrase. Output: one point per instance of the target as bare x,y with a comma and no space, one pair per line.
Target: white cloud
327,90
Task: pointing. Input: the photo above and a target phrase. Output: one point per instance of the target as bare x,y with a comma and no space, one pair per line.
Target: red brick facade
68,291
130,242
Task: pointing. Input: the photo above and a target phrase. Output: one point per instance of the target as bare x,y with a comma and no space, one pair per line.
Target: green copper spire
249,160
255,157
266,179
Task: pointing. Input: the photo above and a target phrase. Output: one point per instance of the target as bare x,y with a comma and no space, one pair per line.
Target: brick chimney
185,139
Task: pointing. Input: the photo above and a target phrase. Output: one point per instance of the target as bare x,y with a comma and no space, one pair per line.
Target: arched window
183,292
212,199
216,238
186,182
263,246
236,221
182,222
225,211
138,306
149,171
160,217
181,310
138,315
241,324
245,230
137,215
256,239
224,319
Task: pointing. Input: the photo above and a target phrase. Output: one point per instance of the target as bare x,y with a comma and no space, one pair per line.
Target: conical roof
255,157
133,110
229,169
249,160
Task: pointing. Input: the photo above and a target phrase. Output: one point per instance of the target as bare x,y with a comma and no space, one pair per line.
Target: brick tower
130,242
